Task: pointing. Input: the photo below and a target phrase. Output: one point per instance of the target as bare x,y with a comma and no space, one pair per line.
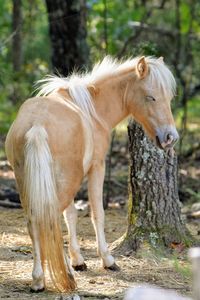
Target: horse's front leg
95,192
70,215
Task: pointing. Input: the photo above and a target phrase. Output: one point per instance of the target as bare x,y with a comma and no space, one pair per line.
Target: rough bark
17,37
67,27
154,209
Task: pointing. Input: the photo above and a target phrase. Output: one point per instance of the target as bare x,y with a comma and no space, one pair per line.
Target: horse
62,135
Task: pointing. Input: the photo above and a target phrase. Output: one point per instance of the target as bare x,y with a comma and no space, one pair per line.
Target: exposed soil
168,271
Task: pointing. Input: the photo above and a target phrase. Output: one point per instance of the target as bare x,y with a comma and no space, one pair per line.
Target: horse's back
65,136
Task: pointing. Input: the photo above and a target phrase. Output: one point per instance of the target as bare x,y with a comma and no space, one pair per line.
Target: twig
8,39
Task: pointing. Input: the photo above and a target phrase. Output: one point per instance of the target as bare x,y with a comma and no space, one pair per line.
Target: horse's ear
161,59
93,90
142,68
63,92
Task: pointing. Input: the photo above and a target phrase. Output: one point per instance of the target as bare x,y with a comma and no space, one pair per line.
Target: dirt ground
168,271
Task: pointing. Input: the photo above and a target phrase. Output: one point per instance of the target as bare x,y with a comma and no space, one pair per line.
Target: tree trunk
154,209
67,27
17,37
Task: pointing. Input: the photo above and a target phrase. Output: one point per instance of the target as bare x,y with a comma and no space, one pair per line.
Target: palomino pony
63,134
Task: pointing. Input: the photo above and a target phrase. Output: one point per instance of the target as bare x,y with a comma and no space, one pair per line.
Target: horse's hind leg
70,215
37,274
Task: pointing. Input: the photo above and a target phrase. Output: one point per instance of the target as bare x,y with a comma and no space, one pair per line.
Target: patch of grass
182,267
160,255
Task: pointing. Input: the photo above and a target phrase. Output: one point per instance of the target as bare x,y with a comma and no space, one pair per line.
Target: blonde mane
160,77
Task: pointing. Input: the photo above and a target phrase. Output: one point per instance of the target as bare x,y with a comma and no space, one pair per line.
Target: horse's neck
110,101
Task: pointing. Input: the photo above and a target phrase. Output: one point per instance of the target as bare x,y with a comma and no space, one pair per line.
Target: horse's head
149,100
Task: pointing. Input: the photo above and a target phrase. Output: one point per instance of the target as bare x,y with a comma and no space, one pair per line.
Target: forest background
119,28
168,28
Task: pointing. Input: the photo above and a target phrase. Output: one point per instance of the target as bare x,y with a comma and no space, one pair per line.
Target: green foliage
15,87
193,110
36,32
114,27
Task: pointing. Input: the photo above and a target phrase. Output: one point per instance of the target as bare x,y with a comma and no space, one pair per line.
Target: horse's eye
150,98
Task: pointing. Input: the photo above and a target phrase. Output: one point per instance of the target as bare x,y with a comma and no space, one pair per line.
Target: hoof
81,268
113,267
37,291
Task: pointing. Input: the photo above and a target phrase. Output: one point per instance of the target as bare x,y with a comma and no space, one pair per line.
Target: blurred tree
17,35
67,27
16,46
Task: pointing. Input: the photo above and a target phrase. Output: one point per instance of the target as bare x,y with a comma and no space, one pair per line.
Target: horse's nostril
169,138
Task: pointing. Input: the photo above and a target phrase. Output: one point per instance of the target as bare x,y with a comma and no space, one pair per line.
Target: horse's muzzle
166,137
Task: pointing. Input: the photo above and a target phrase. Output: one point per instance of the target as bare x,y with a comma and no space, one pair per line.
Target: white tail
39,193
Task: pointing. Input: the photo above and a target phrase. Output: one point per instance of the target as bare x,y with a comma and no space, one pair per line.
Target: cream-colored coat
56,140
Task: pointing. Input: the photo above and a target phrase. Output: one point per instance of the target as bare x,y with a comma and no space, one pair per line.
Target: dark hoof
81,268
37,291
114,268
